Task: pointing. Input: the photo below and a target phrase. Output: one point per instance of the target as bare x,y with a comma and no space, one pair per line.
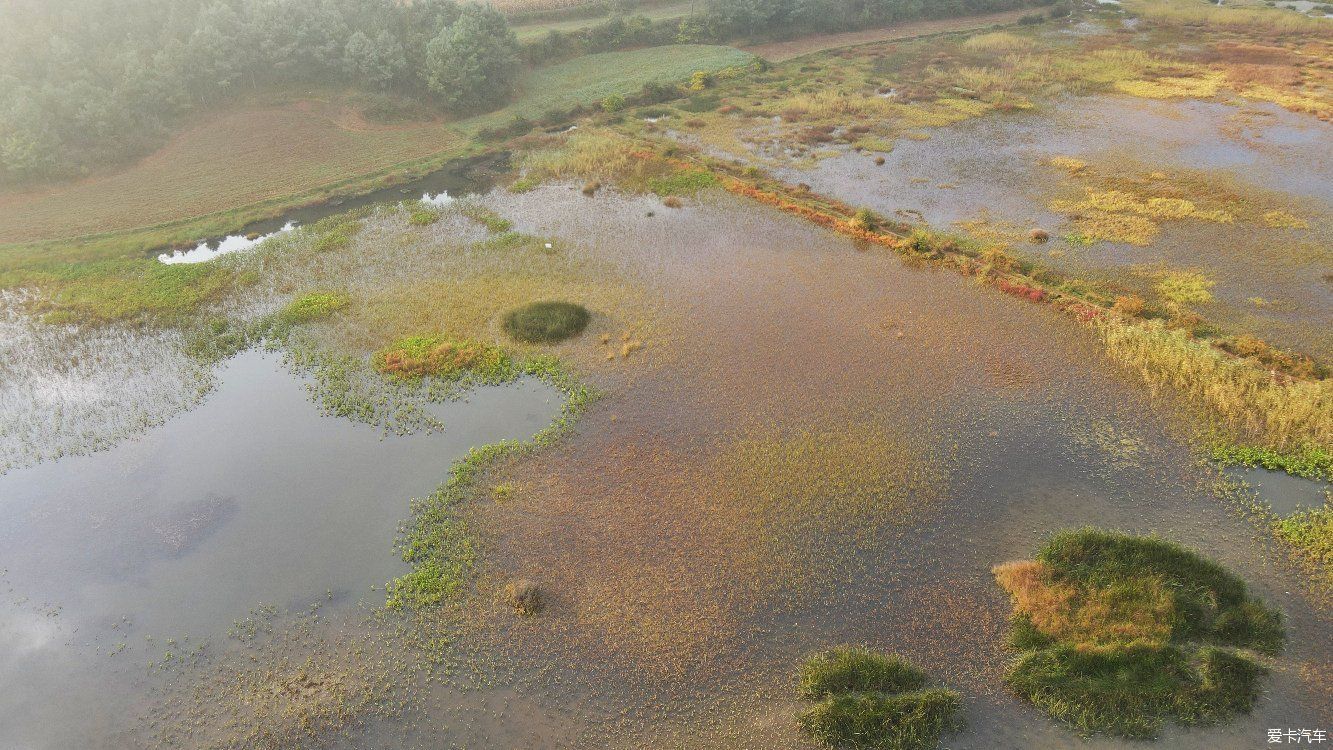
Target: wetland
942,392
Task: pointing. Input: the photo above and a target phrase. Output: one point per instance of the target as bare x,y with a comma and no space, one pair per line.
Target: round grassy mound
1120,634
546,322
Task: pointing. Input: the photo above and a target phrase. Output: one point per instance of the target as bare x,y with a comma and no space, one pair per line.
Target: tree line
85,83
90,82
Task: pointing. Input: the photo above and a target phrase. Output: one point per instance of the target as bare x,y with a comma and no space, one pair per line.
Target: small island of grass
870,700
546,322
1120,634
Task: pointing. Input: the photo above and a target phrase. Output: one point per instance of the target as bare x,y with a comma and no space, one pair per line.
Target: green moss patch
115,290
313,306
683,182
1122,633
546,322
870,700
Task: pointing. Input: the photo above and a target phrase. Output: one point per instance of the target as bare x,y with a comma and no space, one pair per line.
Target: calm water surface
251,499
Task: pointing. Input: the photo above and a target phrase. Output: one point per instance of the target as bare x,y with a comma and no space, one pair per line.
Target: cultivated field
232,159
250,156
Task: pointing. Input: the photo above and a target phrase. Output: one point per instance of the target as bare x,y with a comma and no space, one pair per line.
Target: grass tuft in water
314,306
546,322
1122,633
870,700
416,357
853,669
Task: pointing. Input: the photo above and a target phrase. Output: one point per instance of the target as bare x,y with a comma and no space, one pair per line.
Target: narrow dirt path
783,51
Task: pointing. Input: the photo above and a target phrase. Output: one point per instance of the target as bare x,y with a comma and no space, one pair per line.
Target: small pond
253,498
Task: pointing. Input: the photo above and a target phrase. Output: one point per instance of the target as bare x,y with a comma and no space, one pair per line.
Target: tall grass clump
853,669
1120,634
998,41
546,322
1242,400
870,700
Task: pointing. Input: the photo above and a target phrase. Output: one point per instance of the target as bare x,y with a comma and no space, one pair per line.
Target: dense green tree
473,63
377,61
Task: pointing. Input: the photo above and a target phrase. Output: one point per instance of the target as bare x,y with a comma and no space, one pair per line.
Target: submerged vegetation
870,700
1120,634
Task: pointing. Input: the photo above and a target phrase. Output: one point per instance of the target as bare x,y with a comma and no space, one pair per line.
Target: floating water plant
546,322
1120,634
313,306
1185,287
870,700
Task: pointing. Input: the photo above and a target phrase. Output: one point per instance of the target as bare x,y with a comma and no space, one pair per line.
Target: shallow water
1006,413
994,168
677,607
1284,493
438,188
251,499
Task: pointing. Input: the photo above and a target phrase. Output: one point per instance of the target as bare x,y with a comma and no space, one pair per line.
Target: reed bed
1268,408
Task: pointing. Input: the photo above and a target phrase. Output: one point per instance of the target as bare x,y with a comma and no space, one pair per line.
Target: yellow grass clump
1069,164
998,41
1173,87
1296,102
1126,611
1208,15
1185,287
1279,219
1246,401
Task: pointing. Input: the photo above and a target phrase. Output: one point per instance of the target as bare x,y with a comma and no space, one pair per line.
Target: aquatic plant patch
870,700
136,290
1308,461
1120,634
789,491
1310,533
416,357
313,306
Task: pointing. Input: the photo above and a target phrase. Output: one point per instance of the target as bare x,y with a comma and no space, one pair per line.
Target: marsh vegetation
743,358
